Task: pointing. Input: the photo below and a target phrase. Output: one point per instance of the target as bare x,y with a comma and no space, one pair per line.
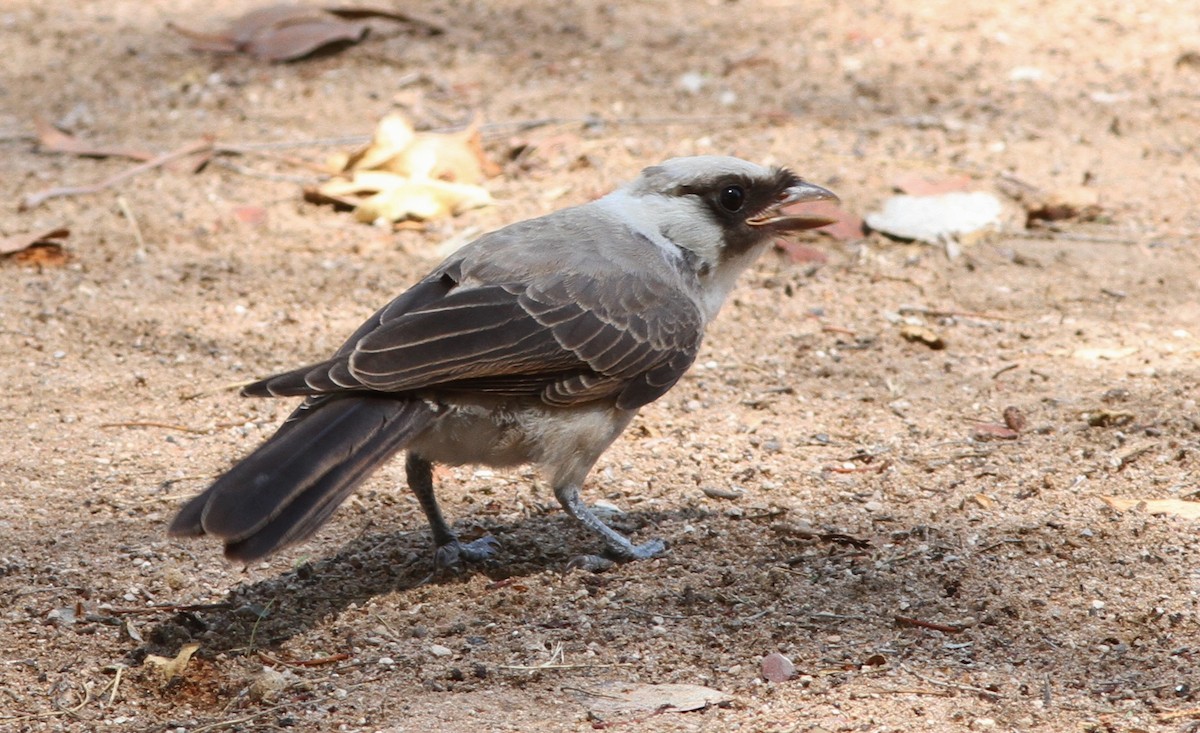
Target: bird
537,344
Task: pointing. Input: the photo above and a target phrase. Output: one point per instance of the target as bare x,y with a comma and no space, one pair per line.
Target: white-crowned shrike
537,343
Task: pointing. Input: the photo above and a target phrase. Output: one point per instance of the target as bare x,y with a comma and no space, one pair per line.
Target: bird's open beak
801,193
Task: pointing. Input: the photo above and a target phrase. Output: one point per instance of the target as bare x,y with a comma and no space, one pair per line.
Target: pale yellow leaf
172,668
1178,507
392,135
421,200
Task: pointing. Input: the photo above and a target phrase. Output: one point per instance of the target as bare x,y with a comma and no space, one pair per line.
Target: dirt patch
1036,606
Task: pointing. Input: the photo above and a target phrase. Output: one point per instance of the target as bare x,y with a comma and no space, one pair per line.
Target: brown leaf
426,25
1177,507
53,140
799,252
18,242
291,42
924,184
279,33
846,226
245,28
988,431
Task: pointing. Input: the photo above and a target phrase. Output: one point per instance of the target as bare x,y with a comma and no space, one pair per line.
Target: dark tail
287,488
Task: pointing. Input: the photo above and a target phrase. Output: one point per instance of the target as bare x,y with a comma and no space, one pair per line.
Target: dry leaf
421,200
18,242
923,335
923,184
1079,202
846,227
989,431
405,175
984,501
53,140
292,42
1177,507
172,668
635,697
291,32
392,135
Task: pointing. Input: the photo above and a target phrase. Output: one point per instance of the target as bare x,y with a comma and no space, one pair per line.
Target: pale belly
563,441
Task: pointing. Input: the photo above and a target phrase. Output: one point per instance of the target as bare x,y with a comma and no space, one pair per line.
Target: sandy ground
1038,607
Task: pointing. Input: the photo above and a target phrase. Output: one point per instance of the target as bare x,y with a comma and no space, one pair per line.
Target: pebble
777,668
438,650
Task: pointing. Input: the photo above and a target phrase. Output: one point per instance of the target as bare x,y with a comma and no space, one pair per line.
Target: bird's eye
732,198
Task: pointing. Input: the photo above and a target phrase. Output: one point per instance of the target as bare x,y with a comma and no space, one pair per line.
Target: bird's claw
453,554
598,564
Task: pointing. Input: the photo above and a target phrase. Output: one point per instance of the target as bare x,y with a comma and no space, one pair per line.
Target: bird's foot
452,555
618,553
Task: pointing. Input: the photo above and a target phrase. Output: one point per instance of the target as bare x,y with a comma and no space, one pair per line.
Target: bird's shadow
271,611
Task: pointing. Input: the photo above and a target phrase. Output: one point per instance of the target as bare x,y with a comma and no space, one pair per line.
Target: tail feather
290,486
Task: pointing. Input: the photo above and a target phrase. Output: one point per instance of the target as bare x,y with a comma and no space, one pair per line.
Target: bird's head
710,201
720,212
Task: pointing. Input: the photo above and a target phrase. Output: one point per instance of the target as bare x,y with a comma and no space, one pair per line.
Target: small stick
315,662
912,691
1176,714
918,623
952,685
36,199
936,313
837,329
112,697
526,668
154,424
133,223
171,608
1002,370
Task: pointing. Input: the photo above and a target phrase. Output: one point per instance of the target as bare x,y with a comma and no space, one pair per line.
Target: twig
171,608
315,662
36,199
918,623
1177,714
154,424
1002,370
1052,235
87,697
911,691
952,685
534,668
936,313
112,697
238,721
133,223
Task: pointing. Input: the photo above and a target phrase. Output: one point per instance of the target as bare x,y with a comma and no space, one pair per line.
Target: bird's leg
449,552
617,545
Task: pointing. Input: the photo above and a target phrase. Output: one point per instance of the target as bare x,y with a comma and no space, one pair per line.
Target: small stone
267,683
386,661
777,668
438,650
